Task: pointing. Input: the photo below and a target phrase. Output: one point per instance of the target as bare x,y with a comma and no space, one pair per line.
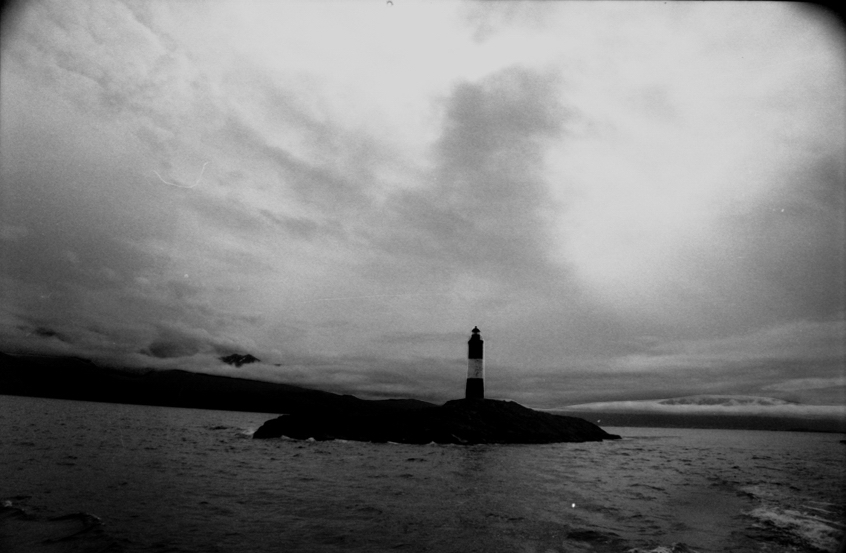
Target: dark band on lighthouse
475,366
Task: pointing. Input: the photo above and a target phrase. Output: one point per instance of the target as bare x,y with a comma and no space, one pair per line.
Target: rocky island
461,421
468,421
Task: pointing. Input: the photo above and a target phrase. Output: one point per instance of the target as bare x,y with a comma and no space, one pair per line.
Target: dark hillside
70,378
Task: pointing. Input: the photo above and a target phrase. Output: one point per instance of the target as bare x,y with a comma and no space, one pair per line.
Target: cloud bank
719,405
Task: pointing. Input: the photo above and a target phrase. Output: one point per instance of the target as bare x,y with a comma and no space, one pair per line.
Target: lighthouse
475,367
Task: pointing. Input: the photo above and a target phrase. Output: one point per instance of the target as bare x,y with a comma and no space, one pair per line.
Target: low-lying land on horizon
714,411
79,379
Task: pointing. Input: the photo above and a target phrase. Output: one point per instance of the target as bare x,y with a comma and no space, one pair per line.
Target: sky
632,201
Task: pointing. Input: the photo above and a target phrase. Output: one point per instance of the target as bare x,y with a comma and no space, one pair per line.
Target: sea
84,477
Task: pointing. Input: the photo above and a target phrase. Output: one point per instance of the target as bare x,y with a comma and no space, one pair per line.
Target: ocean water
78,476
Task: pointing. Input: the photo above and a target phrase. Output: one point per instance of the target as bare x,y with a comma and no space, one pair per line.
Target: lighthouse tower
475,367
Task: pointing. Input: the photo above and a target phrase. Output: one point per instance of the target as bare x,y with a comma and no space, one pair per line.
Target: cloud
669,216
13,233
166,350
797,384
727,405
40,334
481,209
305,228
181,340
805,343
405,338
663,215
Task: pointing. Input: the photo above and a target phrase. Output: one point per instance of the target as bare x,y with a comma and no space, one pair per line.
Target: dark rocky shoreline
463,421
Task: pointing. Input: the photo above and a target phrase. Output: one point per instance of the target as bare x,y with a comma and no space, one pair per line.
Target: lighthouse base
475,388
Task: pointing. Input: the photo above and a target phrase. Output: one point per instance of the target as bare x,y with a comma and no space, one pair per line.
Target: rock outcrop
463,421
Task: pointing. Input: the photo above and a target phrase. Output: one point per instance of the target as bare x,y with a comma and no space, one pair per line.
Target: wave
796,527
26,532
674,548
796,521
243,431
218,427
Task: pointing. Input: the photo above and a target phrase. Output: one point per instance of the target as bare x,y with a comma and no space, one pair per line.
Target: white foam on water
812,530
674,548
798,519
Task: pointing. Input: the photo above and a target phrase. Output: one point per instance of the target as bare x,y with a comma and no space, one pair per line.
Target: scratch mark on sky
182,185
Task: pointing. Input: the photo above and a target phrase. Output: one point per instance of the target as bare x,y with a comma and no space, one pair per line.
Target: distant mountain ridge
238,360
79,379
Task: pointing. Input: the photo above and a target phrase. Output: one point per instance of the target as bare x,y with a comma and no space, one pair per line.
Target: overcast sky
631,200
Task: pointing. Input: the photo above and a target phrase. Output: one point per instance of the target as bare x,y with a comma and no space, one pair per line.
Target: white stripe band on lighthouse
475,367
